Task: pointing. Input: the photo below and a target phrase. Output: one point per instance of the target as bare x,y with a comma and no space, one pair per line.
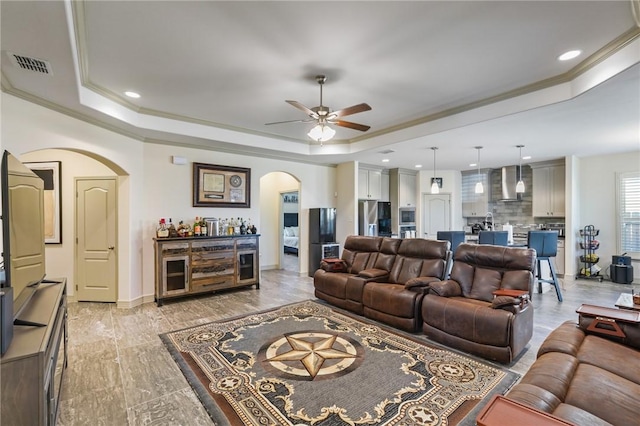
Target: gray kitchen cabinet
369,184
475,205
33,367
402,188
548,191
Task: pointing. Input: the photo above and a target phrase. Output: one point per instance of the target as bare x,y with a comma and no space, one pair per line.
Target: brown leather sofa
584,379
397,299
463,312
384,278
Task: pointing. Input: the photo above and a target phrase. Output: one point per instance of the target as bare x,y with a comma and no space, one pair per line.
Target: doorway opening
279,213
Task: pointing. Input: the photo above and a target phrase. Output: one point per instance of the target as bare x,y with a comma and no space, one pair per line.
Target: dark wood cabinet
33,366
186,266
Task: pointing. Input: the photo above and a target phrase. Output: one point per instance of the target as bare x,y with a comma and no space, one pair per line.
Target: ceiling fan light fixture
321,133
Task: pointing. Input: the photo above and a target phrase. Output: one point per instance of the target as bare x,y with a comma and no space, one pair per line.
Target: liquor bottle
162,231
203,227
243,228
172,229
196,227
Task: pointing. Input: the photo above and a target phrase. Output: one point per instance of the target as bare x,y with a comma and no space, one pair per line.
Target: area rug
311,364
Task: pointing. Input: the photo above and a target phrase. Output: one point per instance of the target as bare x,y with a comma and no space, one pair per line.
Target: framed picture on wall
221,186
50,173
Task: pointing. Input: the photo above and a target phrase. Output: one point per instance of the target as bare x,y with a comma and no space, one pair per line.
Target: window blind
629,213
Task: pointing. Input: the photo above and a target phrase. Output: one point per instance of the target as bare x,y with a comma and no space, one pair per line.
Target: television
23,249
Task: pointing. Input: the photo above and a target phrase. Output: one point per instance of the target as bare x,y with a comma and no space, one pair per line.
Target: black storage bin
621,274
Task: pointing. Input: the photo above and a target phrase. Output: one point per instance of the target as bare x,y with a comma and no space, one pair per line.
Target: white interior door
96,213
436,214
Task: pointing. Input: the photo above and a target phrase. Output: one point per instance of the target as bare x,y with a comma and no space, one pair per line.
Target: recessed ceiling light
385,160
473,164
133,95
569,55
418,166
526,157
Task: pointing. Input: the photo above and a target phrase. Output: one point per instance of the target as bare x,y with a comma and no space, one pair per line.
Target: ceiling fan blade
303,108
350,110
291,121
354,126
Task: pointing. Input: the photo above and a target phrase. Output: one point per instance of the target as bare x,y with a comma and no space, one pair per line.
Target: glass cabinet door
247,267
175,274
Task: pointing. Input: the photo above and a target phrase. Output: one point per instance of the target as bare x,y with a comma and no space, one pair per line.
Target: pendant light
520,184
479,188
435,188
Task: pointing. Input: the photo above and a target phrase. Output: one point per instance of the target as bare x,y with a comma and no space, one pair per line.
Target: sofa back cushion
387,255
360,252
482,269
420,258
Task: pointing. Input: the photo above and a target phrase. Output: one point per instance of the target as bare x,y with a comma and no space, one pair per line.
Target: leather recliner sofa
344,287
464,311
384,278
584,379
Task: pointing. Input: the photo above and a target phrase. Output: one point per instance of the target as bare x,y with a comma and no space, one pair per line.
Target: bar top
205,237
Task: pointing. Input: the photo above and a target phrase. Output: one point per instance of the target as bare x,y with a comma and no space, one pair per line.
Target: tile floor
120,373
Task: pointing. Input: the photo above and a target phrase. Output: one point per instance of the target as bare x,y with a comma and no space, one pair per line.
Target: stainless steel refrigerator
322,236
368,218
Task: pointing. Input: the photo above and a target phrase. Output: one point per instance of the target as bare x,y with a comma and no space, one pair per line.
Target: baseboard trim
128,304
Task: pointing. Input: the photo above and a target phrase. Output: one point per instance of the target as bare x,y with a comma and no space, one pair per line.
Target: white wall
598,200
150,186
347,202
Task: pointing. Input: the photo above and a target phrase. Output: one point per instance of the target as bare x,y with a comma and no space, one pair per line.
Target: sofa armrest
420,284
447,288
373,273
333,265
509,303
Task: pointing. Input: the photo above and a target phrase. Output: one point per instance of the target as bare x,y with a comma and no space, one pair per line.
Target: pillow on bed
295,231
288,232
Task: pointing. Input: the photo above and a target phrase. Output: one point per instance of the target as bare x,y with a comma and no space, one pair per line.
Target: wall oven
407,216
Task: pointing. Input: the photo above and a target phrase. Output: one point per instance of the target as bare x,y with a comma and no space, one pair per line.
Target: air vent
386,151
31,64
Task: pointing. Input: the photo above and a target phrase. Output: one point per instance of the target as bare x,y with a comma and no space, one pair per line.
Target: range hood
509,176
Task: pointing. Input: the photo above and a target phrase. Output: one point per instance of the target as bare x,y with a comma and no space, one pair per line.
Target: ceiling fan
323,116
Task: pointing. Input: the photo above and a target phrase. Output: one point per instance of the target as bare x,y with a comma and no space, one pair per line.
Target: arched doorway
62,259
279,213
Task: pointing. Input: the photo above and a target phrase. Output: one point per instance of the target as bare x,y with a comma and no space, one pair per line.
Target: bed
291,236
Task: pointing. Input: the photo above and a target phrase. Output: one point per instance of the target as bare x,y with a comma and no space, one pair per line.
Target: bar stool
454,237
496,238
545,243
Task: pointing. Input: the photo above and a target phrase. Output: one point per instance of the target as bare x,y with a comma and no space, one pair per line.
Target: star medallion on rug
312,364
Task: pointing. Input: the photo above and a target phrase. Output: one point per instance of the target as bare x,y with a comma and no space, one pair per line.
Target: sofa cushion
616,358
578,416
360,262
405,268
391,299
468,319
605,395
331,283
